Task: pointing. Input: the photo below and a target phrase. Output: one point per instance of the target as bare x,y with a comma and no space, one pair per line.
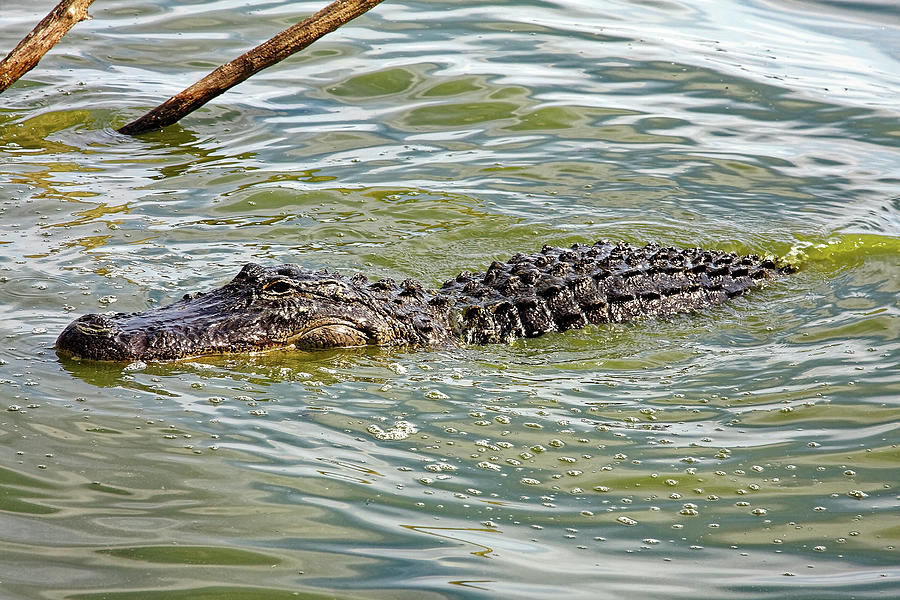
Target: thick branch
278,48
44,36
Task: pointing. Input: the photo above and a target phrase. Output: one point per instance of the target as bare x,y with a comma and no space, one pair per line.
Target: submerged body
264,308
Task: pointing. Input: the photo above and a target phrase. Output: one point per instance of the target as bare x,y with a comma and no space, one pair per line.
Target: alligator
265,308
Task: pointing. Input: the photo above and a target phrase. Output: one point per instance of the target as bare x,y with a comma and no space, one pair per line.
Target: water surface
750,451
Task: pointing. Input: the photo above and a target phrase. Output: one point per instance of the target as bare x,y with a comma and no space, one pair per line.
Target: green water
747,452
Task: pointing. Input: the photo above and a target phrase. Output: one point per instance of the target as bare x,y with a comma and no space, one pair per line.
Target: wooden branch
278,48
44,36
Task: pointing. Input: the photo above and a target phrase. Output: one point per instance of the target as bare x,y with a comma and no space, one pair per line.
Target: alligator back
559,289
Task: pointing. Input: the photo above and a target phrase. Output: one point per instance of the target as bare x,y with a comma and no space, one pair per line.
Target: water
747,452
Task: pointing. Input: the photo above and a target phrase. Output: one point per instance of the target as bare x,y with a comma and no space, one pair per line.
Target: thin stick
278,48
44,36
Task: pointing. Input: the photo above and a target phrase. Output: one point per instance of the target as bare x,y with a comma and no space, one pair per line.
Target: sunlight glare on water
746,452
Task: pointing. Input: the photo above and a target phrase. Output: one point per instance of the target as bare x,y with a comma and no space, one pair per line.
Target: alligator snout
93,336
95,324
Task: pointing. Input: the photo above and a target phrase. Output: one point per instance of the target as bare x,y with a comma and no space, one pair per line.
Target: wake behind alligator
557,289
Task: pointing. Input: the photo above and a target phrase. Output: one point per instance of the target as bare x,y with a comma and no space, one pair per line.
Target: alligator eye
278,287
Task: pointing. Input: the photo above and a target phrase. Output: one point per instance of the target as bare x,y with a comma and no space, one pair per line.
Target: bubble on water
671,482
137,365
215,400
442,466
858,494
626,521
601,488
400,431
819,548
556,443
530,481
759,512
489,466
108,300
436,395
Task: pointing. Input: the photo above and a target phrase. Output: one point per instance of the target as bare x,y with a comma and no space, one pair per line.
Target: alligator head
260,309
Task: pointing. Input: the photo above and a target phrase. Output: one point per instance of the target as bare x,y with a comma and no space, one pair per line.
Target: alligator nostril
94,324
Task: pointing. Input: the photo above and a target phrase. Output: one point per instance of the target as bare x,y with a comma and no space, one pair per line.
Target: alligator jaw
330,334
119,338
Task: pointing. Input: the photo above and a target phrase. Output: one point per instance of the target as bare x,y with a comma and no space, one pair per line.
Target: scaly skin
554,290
